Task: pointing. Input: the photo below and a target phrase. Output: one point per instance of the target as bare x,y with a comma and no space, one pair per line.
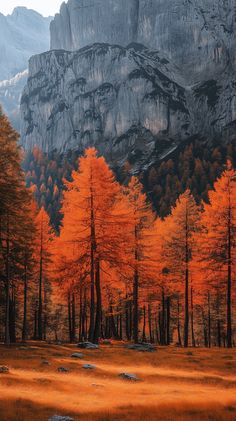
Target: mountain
135,78
22,34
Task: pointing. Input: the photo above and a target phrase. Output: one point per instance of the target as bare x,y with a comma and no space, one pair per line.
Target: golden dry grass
177,385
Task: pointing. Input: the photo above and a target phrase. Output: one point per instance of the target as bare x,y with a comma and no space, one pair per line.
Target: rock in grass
89,366
60,418
77,355
63,370
128,376
87,345
142,347
4,369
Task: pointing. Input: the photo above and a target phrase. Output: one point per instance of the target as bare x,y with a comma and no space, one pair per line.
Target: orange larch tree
142,219
44,240
94,224
219,249
180,248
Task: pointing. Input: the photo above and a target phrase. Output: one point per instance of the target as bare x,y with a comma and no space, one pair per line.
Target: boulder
77,355
4,369
46,362
128,376
60,418
142,347
87,345
63,370
89,366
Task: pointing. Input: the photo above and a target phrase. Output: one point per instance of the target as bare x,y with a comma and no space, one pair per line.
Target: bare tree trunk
144,325
209,319
40,302
97,329
218,327
127,319
69,317
7,288
135,307
163,320
204,329
168,320
186,318
192,320
150,323
24,328
92,264
229,285
73,319
178,323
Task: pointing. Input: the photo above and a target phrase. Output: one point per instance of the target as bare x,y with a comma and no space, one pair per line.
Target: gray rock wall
198,35
133,77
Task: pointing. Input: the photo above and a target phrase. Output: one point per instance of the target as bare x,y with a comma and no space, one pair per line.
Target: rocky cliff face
122,100
174,80
198,35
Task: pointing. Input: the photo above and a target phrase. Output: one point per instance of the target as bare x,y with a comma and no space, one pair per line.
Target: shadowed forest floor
176,384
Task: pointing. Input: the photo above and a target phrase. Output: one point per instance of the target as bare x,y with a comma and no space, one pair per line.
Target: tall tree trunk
168,320
84,316
178,323
92,298
192,320
80,315
73,319
209,319
114,332
150,323
92,265
24,327
163,319
36,321
12,317
7,288
69,317
136,307
127,318
186,317
144,324
157,329
229,284
40,298
160,326
218,327
45,323
97,329
121,325
130,318
204,329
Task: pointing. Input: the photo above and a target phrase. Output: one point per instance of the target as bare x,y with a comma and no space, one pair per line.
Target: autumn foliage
115,269
142,274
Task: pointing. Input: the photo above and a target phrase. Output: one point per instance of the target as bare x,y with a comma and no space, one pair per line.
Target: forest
112,267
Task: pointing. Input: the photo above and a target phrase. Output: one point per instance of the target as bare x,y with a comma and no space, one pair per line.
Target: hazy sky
45,7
